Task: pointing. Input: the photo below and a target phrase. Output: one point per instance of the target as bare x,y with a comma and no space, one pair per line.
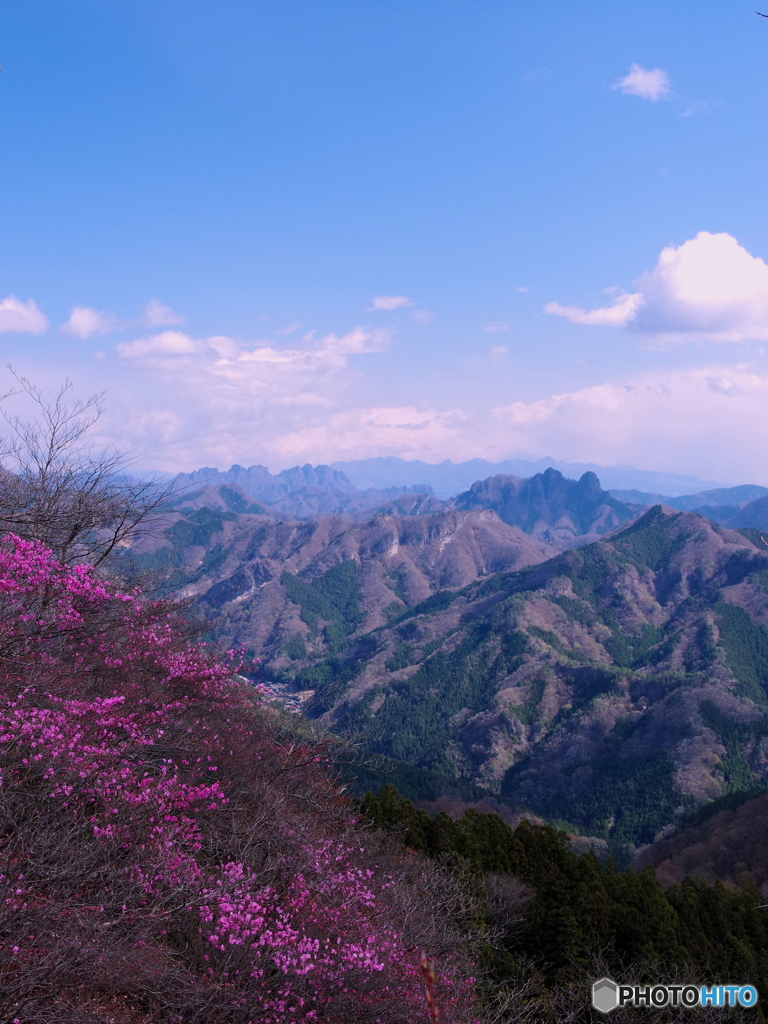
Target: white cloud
498,350
390,302
159,346
496,327
709,421
423,316
184,402
157,314
235,400
623,309
259,363
362,433
648,84
84,321
709,288
19,317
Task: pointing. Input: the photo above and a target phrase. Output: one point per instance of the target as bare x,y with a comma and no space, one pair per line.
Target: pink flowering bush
160,844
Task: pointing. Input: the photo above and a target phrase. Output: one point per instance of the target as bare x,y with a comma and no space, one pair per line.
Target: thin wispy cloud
390,302
710,288
647,83
260,364
496,327
157,314
618,314
19,317
168,343
84,321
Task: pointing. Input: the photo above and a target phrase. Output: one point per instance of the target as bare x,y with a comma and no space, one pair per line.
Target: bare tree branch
55,488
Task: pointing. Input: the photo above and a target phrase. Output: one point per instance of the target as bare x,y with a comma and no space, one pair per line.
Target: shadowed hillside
729,844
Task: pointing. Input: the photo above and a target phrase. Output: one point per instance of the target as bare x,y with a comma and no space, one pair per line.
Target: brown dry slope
236,563
730,845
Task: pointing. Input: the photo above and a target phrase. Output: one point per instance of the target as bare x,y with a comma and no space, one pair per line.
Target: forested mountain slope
735,507
613,686
292,590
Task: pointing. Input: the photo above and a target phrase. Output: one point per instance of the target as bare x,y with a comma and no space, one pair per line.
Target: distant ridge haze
551,505
447,479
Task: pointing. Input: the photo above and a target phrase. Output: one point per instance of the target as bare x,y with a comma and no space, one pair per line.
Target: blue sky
298,231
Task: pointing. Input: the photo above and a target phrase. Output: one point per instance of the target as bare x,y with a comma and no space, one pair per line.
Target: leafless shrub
55,488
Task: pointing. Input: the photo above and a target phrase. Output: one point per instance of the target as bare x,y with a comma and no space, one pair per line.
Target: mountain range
544,503
611,686
448,479
537,639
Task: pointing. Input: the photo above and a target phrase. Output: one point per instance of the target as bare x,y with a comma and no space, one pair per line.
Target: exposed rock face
548,506
612,685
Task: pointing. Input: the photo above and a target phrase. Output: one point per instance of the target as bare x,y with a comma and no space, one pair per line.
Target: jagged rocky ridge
556,510
301,492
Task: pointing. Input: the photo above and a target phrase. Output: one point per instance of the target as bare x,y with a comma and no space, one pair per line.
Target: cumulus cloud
157,314
390,302
237,400
17,317
709,421
648,84
709,288
184,402
84,321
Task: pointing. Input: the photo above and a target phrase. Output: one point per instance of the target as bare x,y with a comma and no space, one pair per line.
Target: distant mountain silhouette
720,497
449,479
548,506
306,491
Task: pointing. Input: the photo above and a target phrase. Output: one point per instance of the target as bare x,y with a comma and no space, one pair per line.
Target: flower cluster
158,838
